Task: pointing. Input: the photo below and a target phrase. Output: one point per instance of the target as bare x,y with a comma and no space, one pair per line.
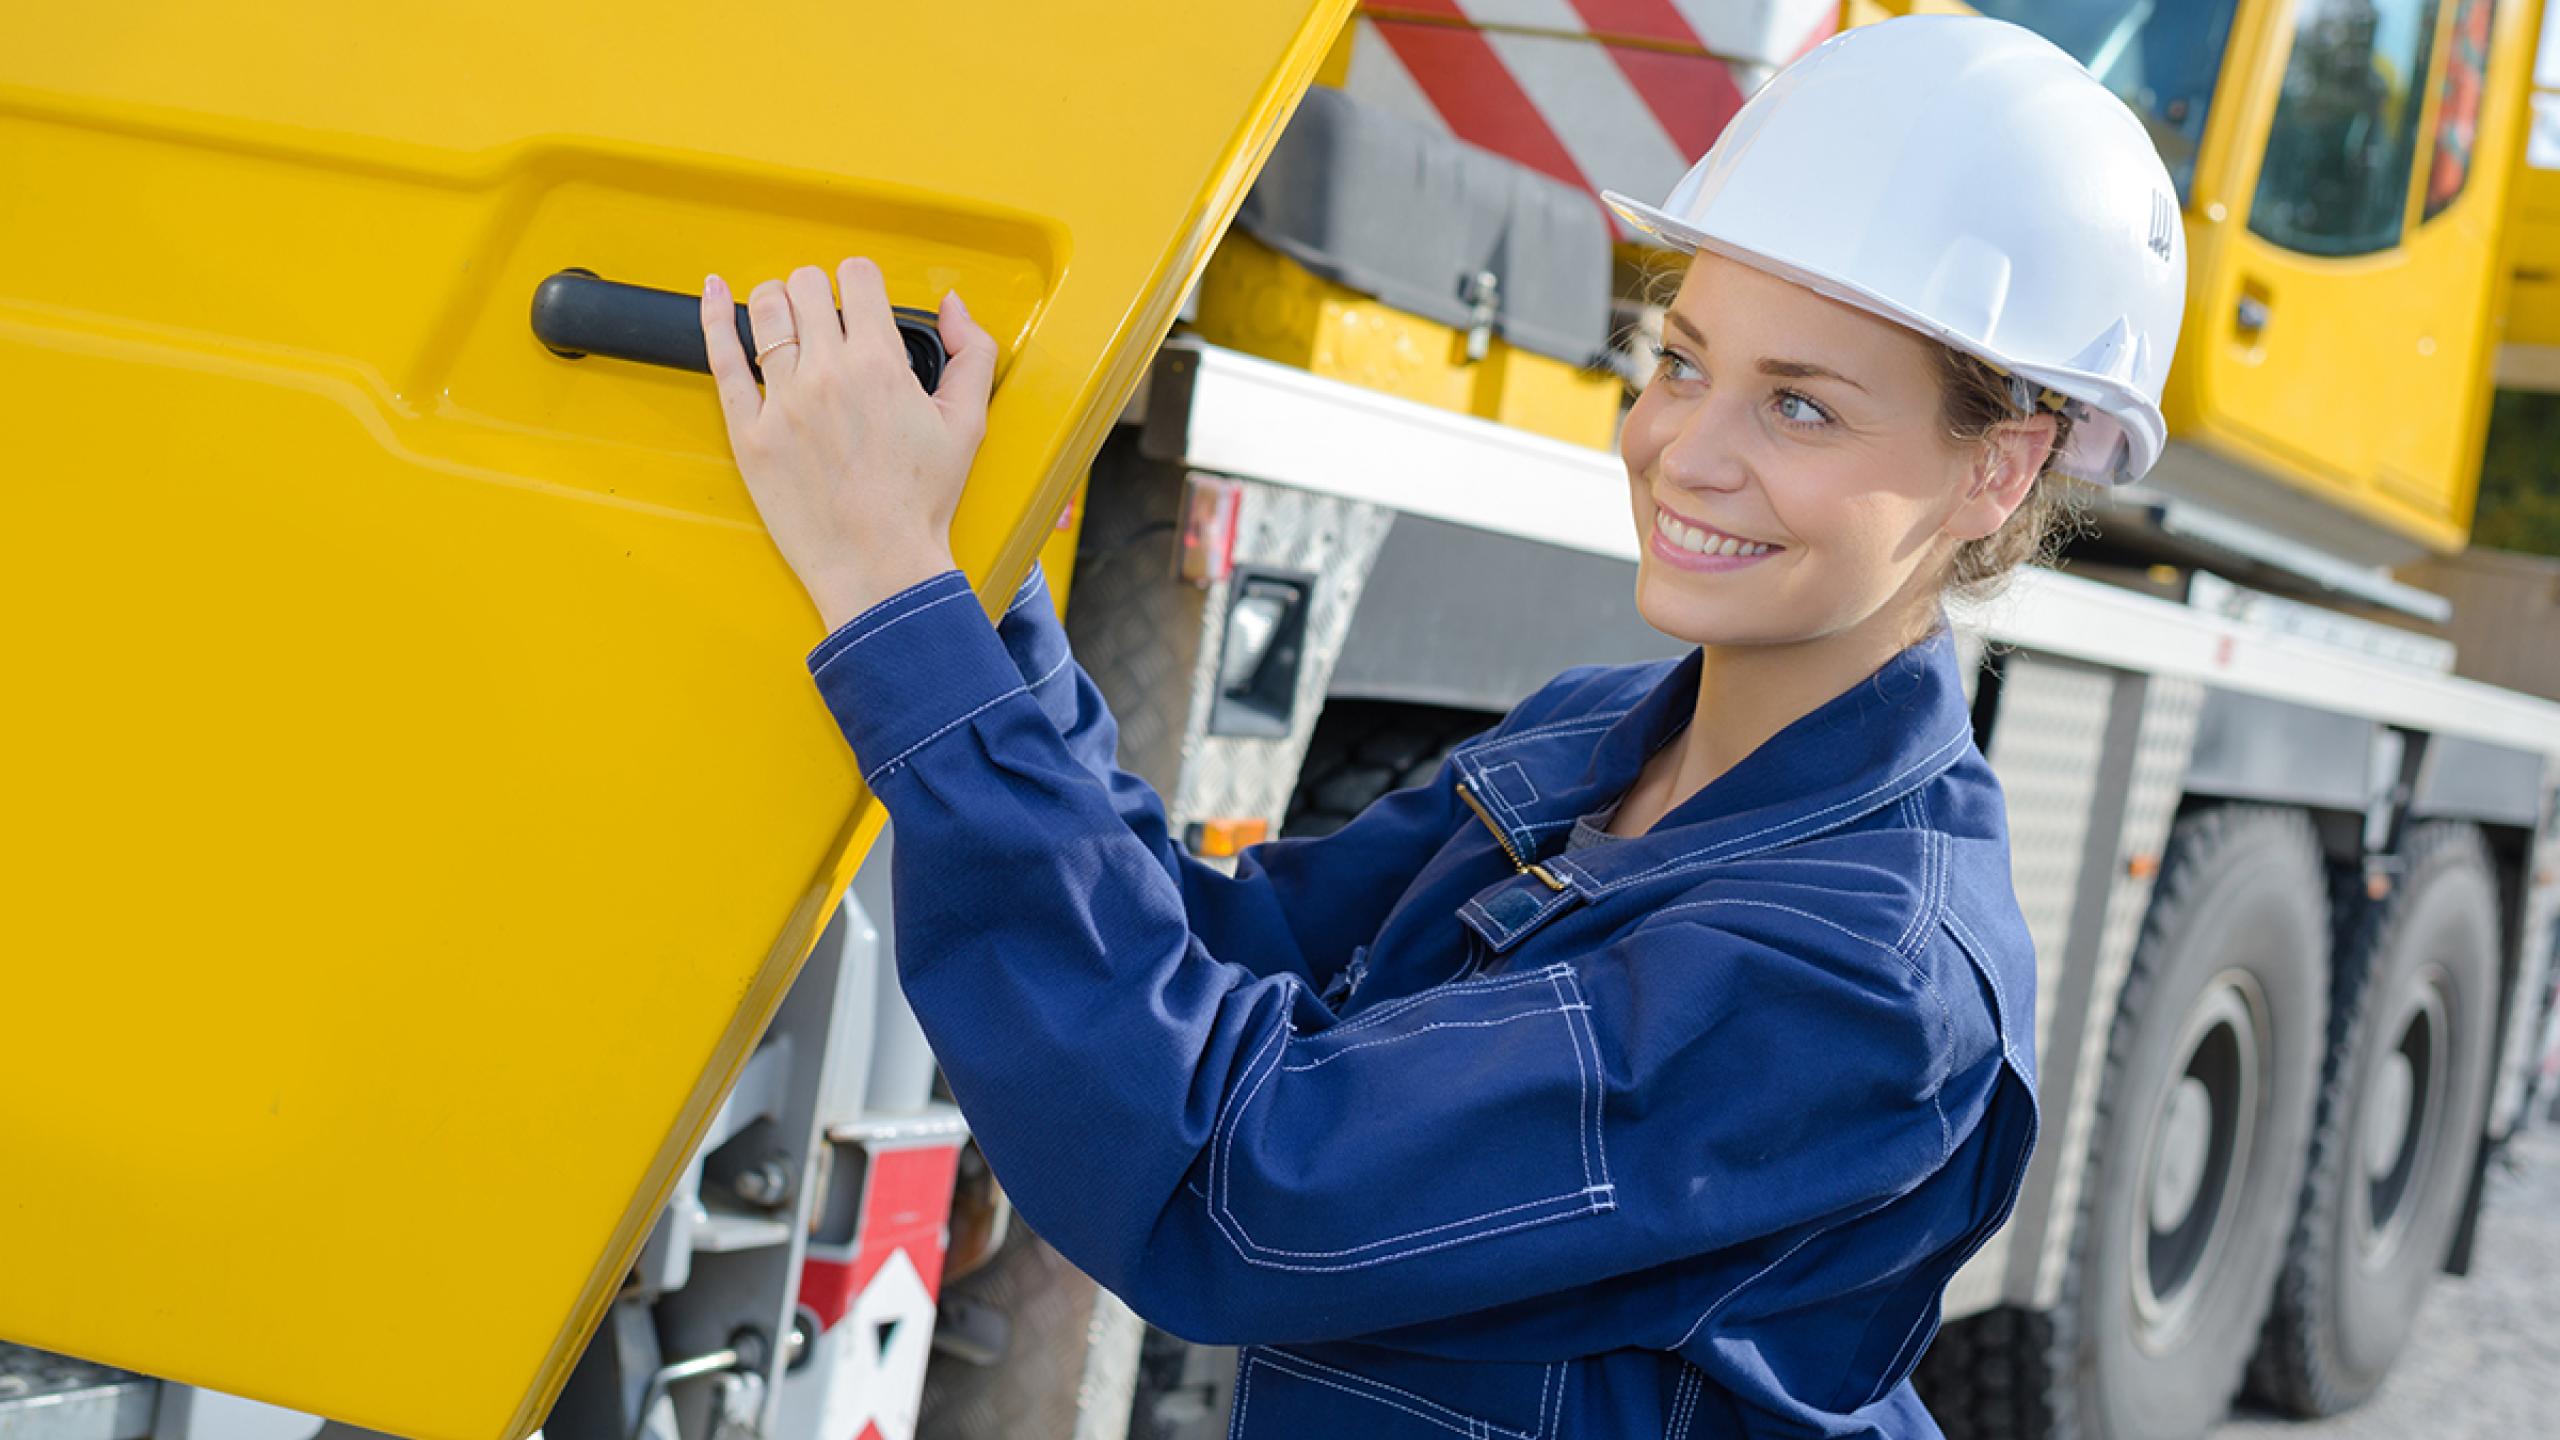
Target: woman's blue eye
1798,408
1665,359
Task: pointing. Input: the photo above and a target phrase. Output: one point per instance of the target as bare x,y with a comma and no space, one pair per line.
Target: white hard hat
1967,178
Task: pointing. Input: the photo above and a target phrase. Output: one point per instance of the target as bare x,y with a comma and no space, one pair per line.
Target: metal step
44,1396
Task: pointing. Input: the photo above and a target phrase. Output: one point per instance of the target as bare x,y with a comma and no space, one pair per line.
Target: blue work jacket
1456,1133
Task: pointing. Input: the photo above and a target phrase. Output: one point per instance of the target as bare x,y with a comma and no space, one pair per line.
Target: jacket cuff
910,670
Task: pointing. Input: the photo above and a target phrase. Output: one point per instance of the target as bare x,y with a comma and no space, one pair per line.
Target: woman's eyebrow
1789,369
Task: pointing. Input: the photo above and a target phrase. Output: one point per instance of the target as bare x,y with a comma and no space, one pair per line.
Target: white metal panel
1265,421
2104,625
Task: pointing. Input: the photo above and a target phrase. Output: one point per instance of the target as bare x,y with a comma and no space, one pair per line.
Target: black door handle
575,315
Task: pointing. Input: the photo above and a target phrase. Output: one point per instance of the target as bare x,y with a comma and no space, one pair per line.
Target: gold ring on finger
776,345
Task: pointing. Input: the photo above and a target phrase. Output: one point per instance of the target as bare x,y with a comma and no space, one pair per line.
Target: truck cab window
2161,56
2466,73
2345,134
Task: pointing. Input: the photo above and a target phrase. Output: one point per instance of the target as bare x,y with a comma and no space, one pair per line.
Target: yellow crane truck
448,954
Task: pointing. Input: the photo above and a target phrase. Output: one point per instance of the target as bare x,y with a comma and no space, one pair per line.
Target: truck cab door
2531,357
2346,232
416,803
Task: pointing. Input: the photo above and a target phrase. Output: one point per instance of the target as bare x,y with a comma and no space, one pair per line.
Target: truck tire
2197,1144
2002,1374
1362,749
2403,1098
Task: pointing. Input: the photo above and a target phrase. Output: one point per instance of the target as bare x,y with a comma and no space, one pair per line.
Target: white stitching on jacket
1599,1200
1684,1400
1554,902
1434,1025
1447,1418
1981,955
1484,985
1722,850
1593,1198
1052,672
1745,1283
1597,720
1597,1099
1022,593
849,645
947,727
1244,1393
871,619
1582,1079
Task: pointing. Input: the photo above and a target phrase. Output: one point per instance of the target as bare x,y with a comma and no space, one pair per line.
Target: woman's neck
1746,695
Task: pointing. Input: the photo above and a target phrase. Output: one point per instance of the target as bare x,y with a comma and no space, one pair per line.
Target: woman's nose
1704,452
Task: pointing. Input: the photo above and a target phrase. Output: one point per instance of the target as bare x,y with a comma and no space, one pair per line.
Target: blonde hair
1975,399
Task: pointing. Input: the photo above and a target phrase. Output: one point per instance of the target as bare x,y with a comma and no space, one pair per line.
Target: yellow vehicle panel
2531,359
1259,301
2360,379
416,801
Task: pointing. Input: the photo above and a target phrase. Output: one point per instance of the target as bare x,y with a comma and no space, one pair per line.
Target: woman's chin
1682,608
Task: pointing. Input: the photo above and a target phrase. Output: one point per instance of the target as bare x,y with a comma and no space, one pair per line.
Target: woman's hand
855,469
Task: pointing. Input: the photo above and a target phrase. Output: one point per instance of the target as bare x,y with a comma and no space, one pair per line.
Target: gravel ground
2485,1360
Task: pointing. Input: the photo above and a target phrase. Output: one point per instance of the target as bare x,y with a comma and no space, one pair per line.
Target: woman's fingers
769,317
813,312
970,373
739,404
870,330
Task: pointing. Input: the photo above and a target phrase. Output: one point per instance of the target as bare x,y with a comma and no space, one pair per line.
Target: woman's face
1808,436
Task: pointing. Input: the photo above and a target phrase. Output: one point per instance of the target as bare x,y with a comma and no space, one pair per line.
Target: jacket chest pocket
1290,1393
1416,1127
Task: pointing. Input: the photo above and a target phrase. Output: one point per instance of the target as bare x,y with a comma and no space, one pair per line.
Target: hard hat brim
2117,433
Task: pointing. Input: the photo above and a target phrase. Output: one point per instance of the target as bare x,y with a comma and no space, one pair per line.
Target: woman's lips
1691,546
1671,554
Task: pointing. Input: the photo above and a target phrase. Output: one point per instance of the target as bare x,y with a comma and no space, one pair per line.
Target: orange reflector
2142,867
1218,839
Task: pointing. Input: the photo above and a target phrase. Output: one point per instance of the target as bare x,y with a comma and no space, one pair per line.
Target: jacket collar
1853,755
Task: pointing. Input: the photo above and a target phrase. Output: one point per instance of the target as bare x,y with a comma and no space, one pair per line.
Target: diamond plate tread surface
2166,738
1332,539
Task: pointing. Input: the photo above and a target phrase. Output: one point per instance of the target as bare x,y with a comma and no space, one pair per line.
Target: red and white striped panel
1601,94
870,1304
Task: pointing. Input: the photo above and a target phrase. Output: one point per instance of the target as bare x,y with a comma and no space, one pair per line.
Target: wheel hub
2195,1151
2386,1119
2400,1129
2186,1138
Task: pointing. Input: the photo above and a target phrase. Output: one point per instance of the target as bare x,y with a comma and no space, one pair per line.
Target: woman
1650,1071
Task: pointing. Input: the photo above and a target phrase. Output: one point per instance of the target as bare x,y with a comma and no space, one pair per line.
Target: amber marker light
1218,839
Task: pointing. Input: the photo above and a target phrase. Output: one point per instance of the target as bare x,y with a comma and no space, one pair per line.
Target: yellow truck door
415,801
2530,359
2347,229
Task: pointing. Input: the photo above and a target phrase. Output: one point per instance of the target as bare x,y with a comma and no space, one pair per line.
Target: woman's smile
1692,546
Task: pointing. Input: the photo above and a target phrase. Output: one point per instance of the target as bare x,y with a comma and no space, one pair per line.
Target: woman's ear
2012,455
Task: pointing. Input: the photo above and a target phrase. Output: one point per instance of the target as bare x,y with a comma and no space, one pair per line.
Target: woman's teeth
1705,542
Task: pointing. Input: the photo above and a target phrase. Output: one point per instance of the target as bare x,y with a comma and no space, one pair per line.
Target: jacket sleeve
1219,1150
1260,916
